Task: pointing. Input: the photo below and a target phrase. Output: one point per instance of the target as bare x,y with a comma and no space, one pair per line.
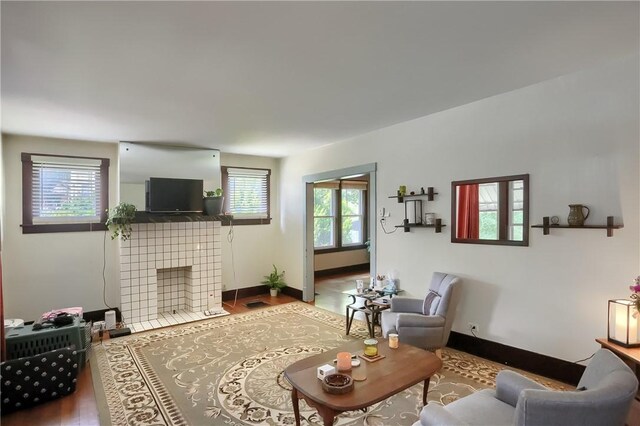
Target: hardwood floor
80,408
329,291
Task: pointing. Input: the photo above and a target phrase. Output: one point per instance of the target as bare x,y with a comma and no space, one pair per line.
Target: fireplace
171,266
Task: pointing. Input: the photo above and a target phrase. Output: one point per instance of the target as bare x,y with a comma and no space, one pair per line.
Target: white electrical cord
382,225
233,265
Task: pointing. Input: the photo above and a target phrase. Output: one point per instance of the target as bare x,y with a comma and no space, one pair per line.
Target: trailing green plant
275,280
217,193
120,219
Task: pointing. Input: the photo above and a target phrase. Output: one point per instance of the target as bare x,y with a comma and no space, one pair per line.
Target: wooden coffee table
401,368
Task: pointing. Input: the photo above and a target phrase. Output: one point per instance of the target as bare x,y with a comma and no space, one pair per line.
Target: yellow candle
371,347
344,361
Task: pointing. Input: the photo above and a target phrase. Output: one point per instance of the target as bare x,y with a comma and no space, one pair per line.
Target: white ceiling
271,78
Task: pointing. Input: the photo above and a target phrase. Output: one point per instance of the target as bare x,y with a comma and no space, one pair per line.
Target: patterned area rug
229,371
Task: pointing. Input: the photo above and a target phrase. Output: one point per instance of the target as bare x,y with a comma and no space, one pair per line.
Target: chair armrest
419,320
436,415
510,384
406,304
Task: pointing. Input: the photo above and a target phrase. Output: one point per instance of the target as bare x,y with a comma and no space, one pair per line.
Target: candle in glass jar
344,361
371,347
393,341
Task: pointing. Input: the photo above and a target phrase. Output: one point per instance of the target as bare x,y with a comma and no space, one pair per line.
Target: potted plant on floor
119,220
275,281
213,202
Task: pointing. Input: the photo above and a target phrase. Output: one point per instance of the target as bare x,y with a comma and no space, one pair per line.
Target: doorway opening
339,233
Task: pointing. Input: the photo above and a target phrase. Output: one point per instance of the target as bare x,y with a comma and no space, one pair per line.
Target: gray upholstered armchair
425,323
603,397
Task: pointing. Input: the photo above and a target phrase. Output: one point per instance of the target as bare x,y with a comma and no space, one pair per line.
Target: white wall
577,136
340,259
255,247
133,193
55,270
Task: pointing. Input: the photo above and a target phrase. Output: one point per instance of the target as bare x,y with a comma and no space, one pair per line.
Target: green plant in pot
275,281
120,219
213,202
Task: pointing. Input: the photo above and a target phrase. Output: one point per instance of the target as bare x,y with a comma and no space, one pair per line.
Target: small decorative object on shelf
120,219
576,214
429,218
547,224
402,190
555,220
213,202
413,211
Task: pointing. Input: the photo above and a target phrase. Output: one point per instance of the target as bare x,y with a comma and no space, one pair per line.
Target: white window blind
65,190
248,193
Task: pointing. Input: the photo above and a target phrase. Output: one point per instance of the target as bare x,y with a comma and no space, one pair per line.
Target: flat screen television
165,195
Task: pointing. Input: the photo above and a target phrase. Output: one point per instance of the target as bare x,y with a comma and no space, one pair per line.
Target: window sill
234,222
339,249
63,227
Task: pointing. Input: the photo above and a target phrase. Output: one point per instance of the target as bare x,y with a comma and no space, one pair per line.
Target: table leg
346,317
348,320
327,414
369,324
425,390
296,407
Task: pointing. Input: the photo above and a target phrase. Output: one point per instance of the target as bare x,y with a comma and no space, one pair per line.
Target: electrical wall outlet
473,327
384,213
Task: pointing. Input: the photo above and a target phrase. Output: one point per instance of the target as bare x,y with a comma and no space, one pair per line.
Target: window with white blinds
247,192
64,190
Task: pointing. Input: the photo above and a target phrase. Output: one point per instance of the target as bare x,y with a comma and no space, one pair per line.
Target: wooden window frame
338,225
225,189
27,197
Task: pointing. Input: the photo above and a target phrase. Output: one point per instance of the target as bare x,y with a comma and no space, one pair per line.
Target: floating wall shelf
546,226
407,226
429,193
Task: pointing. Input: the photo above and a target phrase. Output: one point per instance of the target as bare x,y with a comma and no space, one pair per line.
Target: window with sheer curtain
247,193
64,193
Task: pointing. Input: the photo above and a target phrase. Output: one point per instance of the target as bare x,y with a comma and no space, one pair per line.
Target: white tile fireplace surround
186,256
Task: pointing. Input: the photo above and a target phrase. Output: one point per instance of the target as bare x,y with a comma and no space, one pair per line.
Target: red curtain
468,222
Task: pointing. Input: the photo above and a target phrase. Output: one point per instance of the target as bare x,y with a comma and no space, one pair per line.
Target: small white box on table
325,370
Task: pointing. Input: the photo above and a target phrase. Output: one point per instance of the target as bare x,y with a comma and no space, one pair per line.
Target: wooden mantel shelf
146,217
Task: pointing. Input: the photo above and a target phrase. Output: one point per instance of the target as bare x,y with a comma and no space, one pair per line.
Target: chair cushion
431,302
482,408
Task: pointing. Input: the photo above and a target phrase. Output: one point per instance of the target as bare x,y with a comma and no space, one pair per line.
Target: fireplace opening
175,289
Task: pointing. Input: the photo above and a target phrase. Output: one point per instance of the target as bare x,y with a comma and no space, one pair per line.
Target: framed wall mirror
140,161
491,211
